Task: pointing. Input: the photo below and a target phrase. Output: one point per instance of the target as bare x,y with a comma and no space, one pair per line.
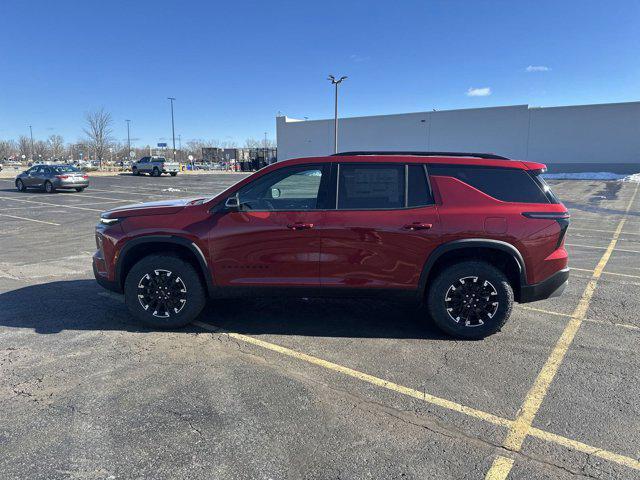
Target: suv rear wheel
471,299
164,291
156,172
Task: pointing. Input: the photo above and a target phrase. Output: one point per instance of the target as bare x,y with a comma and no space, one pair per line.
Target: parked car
51,178
155,166
466,234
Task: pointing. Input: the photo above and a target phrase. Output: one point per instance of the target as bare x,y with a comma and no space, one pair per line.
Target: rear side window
506,184
418,193
378,186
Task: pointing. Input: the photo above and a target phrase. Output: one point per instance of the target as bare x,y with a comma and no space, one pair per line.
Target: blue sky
234,65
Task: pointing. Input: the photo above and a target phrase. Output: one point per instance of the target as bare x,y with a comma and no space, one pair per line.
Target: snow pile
587,176
635,178
171,189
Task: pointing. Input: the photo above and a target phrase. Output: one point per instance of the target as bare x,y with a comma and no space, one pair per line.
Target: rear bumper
549,288
71,184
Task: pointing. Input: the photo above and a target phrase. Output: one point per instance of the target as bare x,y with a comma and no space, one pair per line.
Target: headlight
109,221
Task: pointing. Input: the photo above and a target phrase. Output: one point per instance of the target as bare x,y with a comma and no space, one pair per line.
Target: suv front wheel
470,299
164,291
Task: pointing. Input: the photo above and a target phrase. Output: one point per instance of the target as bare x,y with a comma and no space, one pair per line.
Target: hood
162,207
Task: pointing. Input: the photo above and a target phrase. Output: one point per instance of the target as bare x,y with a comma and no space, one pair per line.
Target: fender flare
182,241
472,243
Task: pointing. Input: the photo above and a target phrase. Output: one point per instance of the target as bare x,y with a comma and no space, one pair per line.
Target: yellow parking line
49,204
584,448
29,219
432,399
521,426
427,398
501,468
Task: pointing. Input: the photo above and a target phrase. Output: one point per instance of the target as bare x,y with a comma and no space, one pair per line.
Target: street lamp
173,130
335,82
31,133
128,139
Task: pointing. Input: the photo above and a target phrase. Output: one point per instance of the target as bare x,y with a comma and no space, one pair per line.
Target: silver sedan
52,177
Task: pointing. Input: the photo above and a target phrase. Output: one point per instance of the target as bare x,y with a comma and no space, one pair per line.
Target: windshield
66,169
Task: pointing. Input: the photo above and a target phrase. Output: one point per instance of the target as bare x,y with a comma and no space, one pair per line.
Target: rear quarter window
505,184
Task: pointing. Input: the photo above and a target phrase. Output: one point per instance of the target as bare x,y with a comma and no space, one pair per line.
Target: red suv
465,233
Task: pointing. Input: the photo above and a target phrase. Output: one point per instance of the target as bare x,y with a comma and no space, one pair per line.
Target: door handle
417,226
300,226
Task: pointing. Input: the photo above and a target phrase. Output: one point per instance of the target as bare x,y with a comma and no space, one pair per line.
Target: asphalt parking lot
322,389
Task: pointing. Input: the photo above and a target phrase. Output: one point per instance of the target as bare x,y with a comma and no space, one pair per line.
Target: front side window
286,189
375,186
505,184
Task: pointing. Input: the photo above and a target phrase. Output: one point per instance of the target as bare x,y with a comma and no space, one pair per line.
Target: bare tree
252,143
99,132
56,146
8,149
24,146
41,151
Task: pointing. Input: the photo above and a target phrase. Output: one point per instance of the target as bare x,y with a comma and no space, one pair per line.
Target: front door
383,229
272,238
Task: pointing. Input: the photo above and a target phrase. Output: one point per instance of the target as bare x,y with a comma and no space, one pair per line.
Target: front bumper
101,277
549,288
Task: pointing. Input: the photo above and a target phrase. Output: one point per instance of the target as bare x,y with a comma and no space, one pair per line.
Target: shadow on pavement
83,305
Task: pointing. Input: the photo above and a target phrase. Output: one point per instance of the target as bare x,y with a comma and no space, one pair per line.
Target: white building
603,137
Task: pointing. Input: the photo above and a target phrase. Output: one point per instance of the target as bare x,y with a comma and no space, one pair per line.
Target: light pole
335,82
180,147
31,133
128,140
173,130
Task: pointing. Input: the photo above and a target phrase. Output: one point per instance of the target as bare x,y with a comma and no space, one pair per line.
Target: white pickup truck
155,166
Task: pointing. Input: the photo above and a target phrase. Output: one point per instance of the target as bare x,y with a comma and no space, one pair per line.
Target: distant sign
190,157
132,154
162,145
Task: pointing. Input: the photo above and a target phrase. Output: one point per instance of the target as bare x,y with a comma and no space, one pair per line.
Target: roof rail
424,154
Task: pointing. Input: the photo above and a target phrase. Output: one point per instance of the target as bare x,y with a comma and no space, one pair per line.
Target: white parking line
29,219
50,204
600,248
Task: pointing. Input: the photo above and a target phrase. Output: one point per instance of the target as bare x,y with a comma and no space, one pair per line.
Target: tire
465,282
20,186
135,172
173,174
183,276
80,189
156,172
48,187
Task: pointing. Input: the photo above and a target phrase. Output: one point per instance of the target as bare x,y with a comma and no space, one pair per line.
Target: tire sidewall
196,297
20,185
48,187
484,271
156,172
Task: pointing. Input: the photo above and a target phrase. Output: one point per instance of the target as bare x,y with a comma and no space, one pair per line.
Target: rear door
273,239
382,229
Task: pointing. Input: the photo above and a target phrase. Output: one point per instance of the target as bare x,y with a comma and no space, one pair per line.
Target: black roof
492,156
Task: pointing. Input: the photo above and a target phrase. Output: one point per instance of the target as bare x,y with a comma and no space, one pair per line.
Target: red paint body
339,248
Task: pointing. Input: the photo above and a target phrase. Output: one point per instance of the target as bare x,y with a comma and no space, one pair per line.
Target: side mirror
232,203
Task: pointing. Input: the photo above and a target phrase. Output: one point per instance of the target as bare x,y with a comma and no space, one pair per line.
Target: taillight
86,177
62,177
561,217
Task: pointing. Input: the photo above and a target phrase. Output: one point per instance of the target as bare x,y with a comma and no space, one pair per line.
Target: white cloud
479,92
537,68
